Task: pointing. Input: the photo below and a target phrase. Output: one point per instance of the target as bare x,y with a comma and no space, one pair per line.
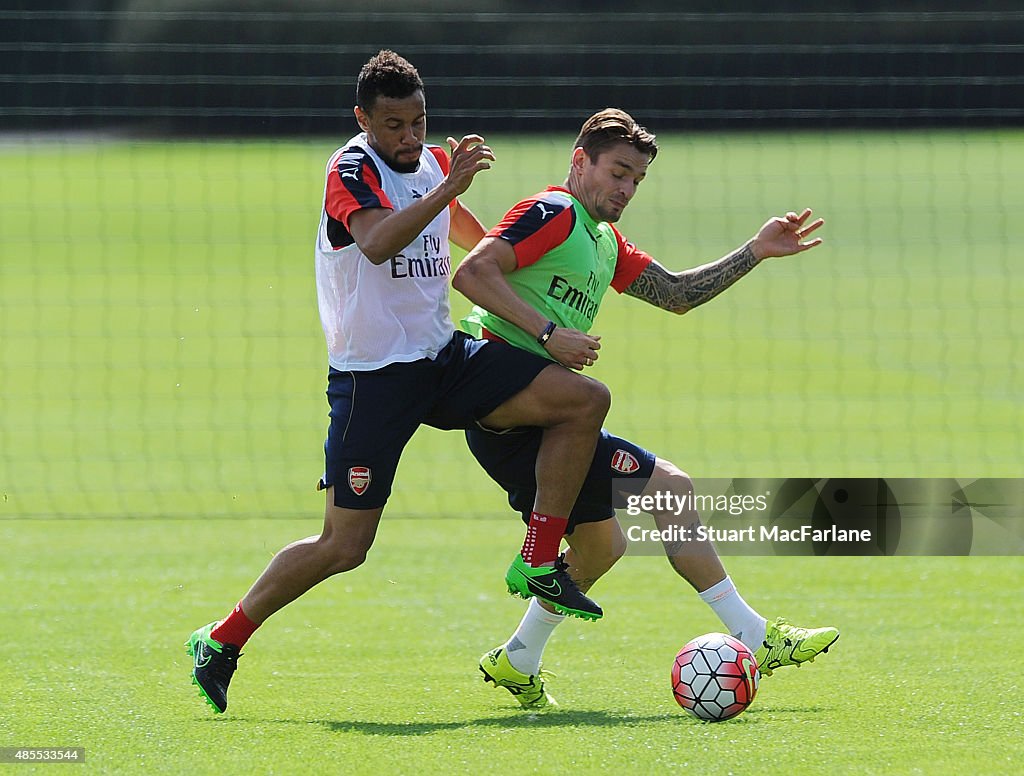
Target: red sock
235,629
543,538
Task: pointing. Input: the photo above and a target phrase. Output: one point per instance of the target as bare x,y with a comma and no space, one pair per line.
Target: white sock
740,620
527,644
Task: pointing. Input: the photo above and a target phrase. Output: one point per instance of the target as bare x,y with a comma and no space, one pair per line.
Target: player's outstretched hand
469,156
573,348
786,235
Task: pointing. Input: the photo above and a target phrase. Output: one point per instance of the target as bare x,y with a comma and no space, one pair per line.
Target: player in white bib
383,269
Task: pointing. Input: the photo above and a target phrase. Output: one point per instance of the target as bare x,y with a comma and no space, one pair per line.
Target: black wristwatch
544,336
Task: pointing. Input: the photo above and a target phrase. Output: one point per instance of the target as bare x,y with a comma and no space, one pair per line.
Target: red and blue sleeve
535,226
630,263
354,184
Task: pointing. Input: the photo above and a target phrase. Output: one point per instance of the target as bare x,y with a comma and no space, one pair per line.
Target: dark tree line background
260,67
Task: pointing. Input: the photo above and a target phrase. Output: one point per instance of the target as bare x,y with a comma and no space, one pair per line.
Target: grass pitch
161,399
375,671
162,353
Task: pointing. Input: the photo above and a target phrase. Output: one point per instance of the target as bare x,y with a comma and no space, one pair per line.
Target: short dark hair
386,74
610,126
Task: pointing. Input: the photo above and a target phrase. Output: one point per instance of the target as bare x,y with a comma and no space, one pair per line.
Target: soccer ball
715,677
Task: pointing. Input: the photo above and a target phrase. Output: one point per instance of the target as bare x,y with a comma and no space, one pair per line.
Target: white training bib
397,311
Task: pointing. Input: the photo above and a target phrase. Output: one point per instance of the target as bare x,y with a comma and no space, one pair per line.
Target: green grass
162,353
162,417
374,671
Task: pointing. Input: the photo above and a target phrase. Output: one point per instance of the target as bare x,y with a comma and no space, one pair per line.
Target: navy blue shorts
619,469
374,414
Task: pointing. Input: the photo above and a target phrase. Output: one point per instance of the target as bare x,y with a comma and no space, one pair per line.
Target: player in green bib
537,280
580,259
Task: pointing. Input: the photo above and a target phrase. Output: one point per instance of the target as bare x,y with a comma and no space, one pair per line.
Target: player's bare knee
596,558
346,560
669,477
564,397
599,400
339,553
592,402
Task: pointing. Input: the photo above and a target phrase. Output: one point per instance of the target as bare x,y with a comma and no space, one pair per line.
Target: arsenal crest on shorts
624,461
359,479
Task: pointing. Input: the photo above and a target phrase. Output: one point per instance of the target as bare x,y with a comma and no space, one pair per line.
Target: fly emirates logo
582,300
430,262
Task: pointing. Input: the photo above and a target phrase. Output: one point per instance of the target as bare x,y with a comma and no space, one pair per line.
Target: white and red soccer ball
715,677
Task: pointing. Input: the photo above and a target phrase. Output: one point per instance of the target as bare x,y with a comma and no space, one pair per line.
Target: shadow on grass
552,718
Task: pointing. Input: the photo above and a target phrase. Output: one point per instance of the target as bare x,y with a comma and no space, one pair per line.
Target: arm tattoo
681,291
